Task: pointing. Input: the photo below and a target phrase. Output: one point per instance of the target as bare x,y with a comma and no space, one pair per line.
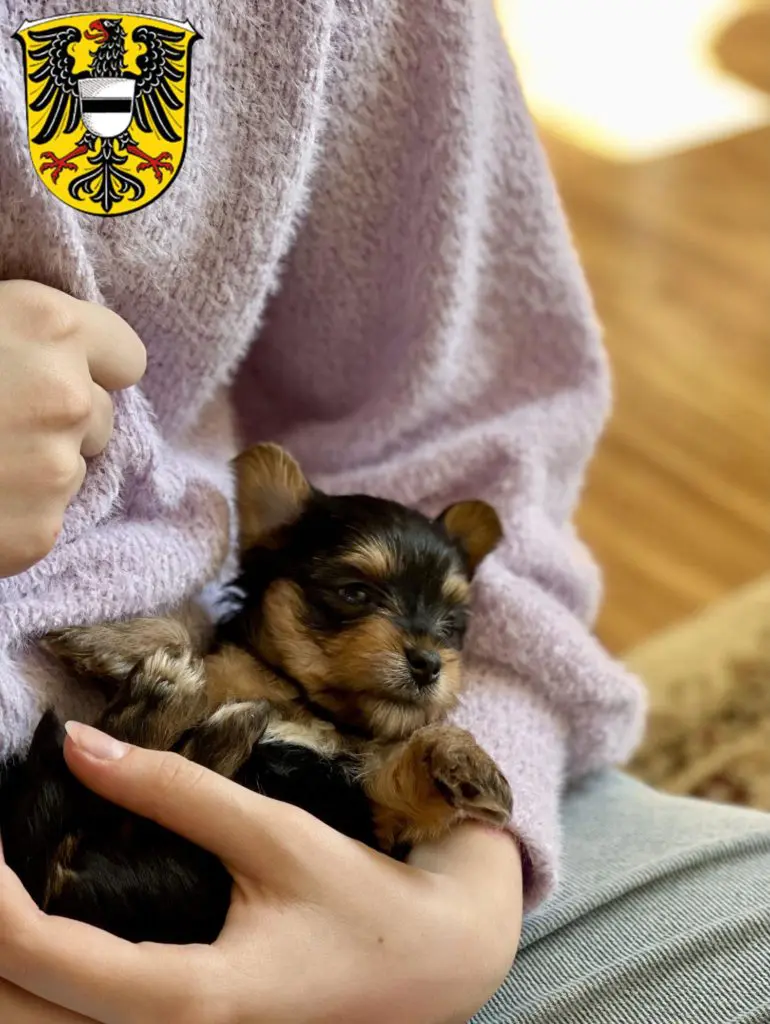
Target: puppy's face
361,601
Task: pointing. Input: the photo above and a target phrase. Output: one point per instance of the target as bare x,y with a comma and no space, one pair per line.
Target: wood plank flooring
677,251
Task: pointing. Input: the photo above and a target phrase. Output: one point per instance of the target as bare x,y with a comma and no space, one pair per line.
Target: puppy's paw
465,776
163,698
439,777
110,651
225,740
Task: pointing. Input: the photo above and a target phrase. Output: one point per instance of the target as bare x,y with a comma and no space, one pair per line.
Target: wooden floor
677,251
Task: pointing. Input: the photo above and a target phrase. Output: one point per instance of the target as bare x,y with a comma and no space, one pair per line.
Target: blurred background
656,120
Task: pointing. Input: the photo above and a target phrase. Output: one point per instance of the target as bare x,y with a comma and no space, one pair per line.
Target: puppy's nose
425,665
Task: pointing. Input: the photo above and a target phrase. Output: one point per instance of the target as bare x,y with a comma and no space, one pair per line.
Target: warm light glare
629,79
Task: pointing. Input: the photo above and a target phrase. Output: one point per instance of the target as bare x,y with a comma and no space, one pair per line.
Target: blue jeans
662,916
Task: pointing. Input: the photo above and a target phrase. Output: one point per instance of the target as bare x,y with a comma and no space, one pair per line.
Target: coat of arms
107,102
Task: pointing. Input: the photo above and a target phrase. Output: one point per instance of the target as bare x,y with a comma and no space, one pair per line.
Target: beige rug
709,682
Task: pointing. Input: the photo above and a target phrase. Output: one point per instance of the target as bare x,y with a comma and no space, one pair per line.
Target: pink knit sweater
364,257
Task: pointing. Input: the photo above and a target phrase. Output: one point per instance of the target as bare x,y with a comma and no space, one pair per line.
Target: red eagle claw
156,164
57,164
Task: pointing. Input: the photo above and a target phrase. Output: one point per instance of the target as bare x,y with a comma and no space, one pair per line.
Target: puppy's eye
355,595
455,627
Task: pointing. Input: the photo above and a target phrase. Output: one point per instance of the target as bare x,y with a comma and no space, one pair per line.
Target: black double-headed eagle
62,97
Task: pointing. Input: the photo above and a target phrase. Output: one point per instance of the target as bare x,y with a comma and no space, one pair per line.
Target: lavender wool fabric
365,239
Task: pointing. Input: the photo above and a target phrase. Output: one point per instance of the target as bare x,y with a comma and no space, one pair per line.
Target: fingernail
97,744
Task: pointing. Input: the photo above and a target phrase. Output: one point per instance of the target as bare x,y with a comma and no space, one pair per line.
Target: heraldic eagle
69,101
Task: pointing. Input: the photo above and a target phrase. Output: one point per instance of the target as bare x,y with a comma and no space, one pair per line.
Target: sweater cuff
528,741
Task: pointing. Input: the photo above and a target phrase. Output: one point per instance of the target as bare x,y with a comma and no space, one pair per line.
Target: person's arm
20,1007
433,340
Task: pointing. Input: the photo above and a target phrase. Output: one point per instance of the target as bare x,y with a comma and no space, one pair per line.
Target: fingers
116,357
34,516
99,427
46,316
253,835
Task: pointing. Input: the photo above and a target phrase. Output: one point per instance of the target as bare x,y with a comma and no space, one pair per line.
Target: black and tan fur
329,687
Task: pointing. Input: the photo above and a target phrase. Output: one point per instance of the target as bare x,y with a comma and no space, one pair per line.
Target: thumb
250,833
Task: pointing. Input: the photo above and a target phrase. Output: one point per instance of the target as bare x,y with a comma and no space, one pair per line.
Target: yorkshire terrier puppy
328,687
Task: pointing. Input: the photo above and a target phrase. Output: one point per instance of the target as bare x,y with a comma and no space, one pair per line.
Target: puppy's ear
272,491
475,527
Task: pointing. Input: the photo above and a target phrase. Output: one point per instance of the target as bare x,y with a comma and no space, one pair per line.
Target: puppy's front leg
166,703
223,743
163,697
236,688
440,776
110,651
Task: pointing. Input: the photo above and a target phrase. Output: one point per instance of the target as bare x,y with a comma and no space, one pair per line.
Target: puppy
328,687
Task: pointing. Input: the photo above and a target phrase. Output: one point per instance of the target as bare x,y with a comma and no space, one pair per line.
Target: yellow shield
107,105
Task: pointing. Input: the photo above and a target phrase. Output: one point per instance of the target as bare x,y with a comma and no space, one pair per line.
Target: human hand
59,358
320,928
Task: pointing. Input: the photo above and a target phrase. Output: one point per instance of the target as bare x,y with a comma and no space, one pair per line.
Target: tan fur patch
225,740
233,674
366,656
272,490
390,721
60,873
285,641
456,589
372,557
421,788
475,526
307,731
451,678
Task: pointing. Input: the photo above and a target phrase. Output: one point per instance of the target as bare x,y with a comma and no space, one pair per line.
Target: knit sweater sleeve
432,339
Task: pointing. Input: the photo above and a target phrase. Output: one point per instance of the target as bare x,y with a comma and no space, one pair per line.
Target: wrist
478,873
472,846
479,870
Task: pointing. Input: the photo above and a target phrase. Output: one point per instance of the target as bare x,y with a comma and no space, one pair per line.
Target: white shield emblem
107,105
